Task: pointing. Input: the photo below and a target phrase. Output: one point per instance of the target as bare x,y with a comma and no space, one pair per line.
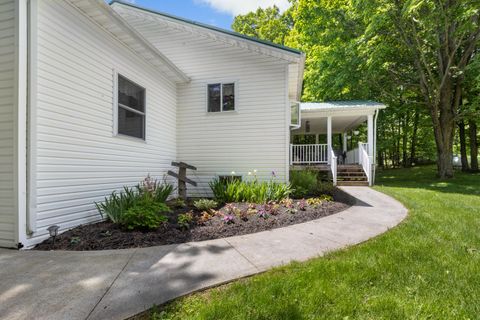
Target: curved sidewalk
120,283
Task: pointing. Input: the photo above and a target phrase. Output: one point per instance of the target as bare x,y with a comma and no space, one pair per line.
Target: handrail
308,154
365,161
333,166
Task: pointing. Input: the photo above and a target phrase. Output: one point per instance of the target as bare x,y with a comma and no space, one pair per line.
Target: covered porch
339,137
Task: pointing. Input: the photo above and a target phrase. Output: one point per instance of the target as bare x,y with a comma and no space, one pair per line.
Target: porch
337,137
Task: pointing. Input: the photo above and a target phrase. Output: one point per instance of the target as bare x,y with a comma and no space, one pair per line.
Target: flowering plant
302,205
228,219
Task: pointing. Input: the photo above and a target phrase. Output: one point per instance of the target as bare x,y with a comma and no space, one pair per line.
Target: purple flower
228,218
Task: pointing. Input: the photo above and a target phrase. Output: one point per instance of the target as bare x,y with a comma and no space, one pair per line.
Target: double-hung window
221,97
131,109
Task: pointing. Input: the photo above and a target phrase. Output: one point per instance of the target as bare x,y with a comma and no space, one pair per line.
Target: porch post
316,138
344,135
371,141
329,138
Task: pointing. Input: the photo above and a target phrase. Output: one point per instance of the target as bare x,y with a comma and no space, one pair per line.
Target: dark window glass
130,94
131,108
214,98
131,123
229,97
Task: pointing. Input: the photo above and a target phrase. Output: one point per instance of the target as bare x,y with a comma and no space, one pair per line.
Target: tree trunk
473,145
380,159
414,137
444,130
406,120
398,142
463,145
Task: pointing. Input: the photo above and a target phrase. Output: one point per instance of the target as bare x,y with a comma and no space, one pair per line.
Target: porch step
351,175
352,183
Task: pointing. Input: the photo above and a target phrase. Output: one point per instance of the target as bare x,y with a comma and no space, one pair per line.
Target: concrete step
353,183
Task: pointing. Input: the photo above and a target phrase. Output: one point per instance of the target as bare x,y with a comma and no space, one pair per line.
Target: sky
219,13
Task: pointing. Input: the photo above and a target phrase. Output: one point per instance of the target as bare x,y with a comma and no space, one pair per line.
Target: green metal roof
206,26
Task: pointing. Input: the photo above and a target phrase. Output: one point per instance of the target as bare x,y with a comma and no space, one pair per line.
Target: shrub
205,204
145,214
249,191
304,183
325,188
185,219
115,206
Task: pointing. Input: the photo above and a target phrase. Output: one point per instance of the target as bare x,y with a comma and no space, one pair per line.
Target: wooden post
182,178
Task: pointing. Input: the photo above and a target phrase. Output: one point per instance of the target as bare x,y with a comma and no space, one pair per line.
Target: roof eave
291,55
180,77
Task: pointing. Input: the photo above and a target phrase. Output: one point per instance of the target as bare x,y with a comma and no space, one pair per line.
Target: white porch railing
353,156
365,160
333,166
308,153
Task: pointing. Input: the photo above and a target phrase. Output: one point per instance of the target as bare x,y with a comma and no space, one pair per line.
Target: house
96,96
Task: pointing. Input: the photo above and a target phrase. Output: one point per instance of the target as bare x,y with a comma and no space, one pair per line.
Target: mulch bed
106,235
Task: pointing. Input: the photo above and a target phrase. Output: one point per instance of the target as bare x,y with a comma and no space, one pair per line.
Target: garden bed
230,220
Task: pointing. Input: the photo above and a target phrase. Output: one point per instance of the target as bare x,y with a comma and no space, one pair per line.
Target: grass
426,268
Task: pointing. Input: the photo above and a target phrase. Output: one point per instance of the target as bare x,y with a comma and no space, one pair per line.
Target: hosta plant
205,204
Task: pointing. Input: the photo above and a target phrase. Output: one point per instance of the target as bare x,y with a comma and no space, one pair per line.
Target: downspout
31,221
375,146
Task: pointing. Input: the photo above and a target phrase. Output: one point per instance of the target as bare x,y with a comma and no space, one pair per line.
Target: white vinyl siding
255,136
79,158
7,114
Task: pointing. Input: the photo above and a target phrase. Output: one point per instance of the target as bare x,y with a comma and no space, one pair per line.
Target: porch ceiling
340,124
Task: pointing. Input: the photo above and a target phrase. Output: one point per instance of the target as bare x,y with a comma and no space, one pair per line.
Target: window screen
131,108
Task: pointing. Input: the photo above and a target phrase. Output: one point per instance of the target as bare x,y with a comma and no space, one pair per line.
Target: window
131,108
295,114
221,97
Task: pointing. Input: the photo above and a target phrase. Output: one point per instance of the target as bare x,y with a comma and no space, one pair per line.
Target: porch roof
333,107
346,115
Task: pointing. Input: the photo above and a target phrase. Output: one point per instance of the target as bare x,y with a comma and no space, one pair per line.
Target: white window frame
222,82
116,106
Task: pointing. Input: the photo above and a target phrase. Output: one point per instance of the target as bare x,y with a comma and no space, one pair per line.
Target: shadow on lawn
425,178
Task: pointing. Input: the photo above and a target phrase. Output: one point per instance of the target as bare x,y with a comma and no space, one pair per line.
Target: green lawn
426,268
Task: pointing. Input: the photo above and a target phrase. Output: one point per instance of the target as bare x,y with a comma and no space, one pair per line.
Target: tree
267,24
410,54
471,110
442,37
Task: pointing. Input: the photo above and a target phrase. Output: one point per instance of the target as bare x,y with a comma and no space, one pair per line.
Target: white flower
255,171
233,173
249,173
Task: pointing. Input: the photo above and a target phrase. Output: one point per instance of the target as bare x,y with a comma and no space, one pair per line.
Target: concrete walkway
121,283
